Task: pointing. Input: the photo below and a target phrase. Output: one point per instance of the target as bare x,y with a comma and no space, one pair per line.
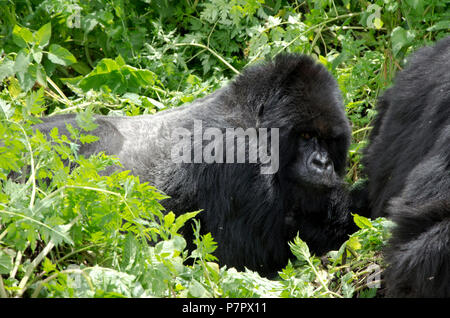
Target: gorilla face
313,166
303,100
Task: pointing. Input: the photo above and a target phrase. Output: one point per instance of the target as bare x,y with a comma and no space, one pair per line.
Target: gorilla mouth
314,179
319,183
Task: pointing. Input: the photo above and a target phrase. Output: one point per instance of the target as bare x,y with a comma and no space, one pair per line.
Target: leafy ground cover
77,233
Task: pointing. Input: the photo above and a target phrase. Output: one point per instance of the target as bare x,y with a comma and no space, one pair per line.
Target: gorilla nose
321,163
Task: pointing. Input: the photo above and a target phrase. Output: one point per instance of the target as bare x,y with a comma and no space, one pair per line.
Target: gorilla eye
305,136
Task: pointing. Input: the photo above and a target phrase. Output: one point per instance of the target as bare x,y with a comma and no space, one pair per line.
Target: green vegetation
77,233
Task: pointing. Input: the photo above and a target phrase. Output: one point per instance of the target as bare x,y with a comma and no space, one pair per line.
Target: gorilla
288,122
407,165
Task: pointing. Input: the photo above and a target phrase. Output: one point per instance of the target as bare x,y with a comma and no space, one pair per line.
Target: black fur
407,164
251,215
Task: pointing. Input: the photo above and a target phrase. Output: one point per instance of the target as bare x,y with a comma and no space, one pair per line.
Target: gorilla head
292,103
300,98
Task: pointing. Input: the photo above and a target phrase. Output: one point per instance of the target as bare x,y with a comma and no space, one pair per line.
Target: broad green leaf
155,103
59,55
105,66
114,81
41,77
6,263
171,248
197,290
169,218
378,23
354,243
37,54
120,61
400,38
14,87
25,72
81,68
42,36
22,62
362,222
440,25
22,36
6,69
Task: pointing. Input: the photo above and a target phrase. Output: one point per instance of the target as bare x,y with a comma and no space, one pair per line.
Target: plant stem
32,166
324,286
67,271
212,52
319,25
32,266
60,92
3,293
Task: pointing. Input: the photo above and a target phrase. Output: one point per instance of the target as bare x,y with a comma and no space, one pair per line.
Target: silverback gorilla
407,165
252,215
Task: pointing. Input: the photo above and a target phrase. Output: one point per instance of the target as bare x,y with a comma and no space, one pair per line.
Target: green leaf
81,68
440,25
87,139
182,219
130,251
42,36
59,55
41,77
22,36
35,101
54,133
48,266
362,222
37,54
25,72
117,76
353,243
400,38
105,66
171,248
6,109
169,218
197,290
6,263
86,121
120,61
300,249
378,23
22,62
6,69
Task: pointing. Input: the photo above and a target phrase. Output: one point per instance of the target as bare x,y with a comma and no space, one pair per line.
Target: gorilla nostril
321,162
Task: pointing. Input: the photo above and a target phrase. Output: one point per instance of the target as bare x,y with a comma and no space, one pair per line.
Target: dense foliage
77,233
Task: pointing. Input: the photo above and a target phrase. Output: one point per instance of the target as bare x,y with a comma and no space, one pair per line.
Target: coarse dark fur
251,215
407,164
